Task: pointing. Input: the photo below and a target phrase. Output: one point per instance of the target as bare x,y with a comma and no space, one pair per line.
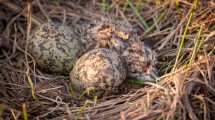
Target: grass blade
196,46
211,52
24,111
146,26
104,6
182,41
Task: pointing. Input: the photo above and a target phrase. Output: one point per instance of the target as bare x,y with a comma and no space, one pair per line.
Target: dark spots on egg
101,55
54,49
100,68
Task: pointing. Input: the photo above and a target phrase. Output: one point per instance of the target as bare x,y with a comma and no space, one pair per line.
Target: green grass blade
146,26
32,86
136,82
24,111
105,6
159,19
211,52
180,50
185,33
2,109
196,48
125,7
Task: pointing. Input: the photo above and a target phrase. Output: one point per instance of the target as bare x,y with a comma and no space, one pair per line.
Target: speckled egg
55,47
100,69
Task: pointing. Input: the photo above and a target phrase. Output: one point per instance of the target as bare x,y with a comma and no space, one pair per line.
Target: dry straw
187,92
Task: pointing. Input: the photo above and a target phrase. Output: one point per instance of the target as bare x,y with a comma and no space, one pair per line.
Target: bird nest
182,34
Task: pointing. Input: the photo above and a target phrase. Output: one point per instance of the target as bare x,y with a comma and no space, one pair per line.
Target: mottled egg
99,69
55,47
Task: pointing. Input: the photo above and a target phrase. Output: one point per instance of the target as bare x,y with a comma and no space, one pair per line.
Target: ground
182,32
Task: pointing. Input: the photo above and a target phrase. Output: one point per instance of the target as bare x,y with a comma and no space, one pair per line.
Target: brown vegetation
182,32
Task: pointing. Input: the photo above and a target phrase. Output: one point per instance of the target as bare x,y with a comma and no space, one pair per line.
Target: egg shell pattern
55,47
101,69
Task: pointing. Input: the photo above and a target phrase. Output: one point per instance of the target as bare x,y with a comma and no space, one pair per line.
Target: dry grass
186,88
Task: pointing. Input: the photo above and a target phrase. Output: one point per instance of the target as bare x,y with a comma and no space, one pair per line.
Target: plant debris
182,33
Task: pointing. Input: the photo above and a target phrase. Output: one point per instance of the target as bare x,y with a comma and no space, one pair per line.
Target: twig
15,8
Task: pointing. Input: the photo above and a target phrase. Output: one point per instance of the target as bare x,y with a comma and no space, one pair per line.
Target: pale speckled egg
100,69
55,47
